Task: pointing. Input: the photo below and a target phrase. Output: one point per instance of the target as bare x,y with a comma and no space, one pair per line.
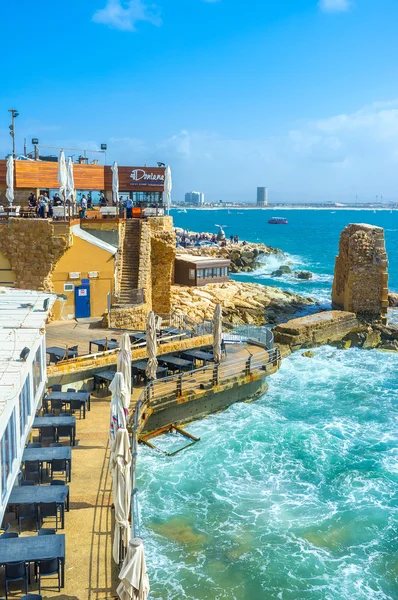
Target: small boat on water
278,221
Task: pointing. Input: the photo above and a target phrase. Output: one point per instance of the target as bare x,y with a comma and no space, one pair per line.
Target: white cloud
334,5
125,15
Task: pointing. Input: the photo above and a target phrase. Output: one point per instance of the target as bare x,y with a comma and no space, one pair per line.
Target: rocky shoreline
242,303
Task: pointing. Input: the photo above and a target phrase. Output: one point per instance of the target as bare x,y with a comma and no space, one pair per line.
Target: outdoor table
66,397
57,354
175,363
139,368
48,454
104,377
102,344
40,422
33,548
137,337
199,355
174,333
42,493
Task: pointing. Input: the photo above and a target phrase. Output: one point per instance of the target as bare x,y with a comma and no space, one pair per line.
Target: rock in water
393,300
283,270
303,275
308,354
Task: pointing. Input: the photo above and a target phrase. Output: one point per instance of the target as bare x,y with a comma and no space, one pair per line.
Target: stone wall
145,267
360,277
33,248
163,253
126,317
20,196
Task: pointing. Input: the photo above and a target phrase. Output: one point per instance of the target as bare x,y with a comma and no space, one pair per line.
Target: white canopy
120,465
62,175
10,180
151,345
217,333
124,365
168,185
115,183
134,582
118,400
70,181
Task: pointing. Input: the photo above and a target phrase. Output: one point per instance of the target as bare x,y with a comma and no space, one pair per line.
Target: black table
139,369
60,421
102,344
57,354
42,493
66,397
176,364
199,355
137,337
32,548
104,377
48,454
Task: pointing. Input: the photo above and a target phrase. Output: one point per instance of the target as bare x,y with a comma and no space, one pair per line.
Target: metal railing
260,334
190,381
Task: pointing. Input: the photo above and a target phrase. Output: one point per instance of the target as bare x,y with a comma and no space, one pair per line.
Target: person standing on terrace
129,208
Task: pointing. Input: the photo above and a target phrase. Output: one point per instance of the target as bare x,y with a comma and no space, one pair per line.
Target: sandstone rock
391,346
315,330
373,339
308,354
303,275
283,270
393,300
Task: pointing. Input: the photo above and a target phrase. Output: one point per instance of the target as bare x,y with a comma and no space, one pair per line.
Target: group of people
44,205
189,238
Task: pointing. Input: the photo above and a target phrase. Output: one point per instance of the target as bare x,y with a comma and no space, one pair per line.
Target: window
224,271
8,451
200,273
208,273
191,273
69,287
24,405
37,371
217,272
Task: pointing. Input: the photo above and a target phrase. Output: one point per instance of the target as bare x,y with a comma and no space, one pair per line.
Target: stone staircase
130,259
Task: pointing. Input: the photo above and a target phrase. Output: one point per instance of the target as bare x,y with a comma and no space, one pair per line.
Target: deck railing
190,381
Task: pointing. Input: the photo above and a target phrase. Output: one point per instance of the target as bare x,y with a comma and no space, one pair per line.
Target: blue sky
299,95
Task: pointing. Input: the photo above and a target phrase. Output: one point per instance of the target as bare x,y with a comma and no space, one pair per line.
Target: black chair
48,415
57,482
71,390
56,405
65,431
48,509
56,445
76,405
34,445
57,387
46,568
26,483
32,471
16,571
8,535
32,597
223,348
27,511
74,349
47,434
46,532
59,465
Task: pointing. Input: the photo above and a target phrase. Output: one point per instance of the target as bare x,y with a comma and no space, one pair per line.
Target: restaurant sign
145,177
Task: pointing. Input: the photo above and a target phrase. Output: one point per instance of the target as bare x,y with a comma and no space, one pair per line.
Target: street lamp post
14,115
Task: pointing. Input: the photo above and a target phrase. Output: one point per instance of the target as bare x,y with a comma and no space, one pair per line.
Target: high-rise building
262,196
197,198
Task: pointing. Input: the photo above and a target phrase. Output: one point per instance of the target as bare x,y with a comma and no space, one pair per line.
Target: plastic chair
48,509
57,482
47,433
32,597
56,405
27,483
32,471
57,387
46,568
56,445
17,571
8,535
27,511
34,445
65,431
60,465
48,415
46,532
76,405
71,390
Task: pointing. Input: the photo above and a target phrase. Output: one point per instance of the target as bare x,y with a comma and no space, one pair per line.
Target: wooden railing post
216,374
179,385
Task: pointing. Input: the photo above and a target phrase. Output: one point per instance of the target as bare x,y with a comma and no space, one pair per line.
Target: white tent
152,346
10,180
168,185
70,181
124,365
217,333
134,582
115,184
120,465
118,400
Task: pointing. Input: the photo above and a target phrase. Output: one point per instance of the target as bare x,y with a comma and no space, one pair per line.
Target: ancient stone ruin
360,281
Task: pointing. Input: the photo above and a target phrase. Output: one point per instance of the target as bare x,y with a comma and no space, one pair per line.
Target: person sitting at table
32,200
57,200
103,200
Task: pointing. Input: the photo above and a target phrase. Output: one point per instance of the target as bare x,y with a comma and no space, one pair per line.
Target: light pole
14,115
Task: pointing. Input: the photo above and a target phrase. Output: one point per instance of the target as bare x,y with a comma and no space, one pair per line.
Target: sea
294,496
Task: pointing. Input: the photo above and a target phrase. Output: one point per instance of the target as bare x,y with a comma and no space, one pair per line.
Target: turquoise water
295,496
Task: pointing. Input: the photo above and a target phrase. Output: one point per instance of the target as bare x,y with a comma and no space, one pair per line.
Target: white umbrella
168,185
115,183
70,181
124,364
118,400
10,180
151,346
121,489
133,575
62,178
217,333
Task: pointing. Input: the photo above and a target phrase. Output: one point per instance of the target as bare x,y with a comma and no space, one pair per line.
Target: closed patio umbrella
70,181
10,180
168,185
134,582
151,346
121,490
118,400
124,365
217,333
115,184
62,178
